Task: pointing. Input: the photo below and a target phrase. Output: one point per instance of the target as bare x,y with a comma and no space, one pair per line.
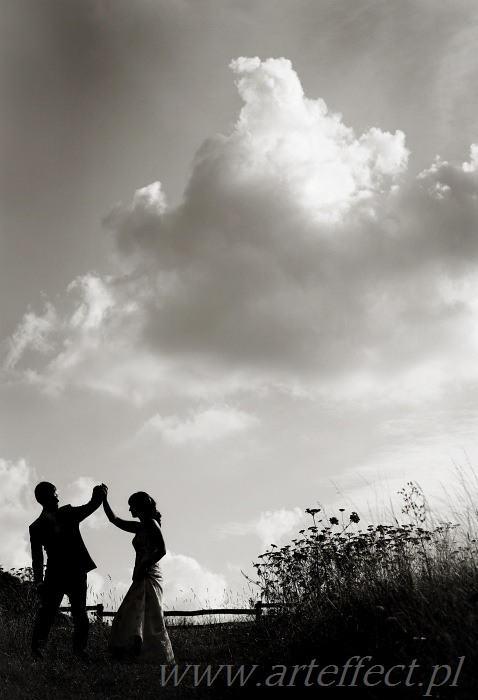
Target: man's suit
68,563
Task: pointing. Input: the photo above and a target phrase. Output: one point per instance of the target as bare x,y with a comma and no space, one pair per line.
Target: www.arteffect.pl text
356,671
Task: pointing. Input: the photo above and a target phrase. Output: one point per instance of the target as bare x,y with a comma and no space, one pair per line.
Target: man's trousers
51,595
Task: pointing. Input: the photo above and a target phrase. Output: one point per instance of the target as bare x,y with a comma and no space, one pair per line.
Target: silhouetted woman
138,627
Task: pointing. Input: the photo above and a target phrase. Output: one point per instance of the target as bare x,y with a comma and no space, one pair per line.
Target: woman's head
141,505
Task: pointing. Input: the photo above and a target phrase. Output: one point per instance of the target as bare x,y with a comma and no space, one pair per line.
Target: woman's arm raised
127,525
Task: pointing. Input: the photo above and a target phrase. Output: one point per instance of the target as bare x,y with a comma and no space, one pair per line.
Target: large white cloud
207,425
271,527
190,586
17,511
301,255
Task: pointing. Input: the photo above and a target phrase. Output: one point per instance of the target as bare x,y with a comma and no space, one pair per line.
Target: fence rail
256,611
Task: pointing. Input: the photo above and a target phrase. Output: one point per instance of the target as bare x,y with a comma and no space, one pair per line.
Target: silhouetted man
57,531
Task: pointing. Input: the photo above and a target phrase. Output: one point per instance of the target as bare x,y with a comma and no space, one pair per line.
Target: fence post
258,607
99,611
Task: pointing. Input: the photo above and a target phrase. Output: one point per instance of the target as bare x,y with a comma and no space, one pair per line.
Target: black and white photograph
239,349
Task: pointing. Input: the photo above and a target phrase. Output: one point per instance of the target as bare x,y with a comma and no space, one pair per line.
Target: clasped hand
100,491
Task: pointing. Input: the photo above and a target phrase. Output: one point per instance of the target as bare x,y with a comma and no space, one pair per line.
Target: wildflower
301,557
334,521
354,518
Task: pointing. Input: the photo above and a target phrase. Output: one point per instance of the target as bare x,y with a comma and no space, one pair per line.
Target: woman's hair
147,504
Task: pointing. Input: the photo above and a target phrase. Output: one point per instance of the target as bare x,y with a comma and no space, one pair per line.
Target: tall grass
397,591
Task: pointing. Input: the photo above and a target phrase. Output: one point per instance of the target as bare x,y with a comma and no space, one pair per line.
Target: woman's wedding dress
138,628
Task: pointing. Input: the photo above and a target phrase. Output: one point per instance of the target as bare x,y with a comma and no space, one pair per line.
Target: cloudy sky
238,266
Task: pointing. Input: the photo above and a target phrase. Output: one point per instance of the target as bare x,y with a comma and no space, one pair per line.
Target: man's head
46,495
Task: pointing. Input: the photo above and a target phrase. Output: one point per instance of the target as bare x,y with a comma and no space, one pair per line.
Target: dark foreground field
277,656
410,644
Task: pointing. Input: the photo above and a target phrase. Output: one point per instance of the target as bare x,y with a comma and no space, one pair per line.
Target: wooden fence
256,611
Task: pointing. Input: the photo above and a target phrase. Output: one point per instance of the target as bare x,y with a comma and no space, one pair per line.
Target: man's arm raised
99,494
